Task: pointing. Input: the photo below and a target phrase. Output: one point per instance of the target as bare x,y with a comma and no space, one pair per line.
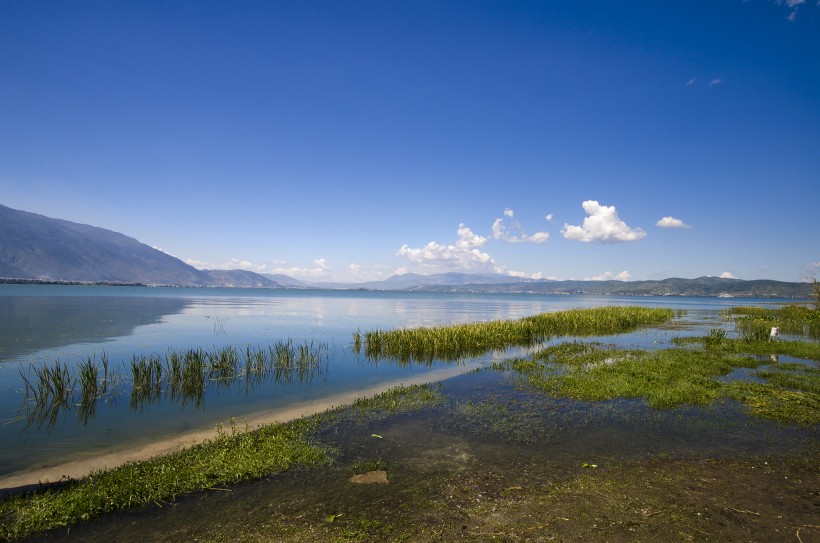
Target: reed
459,341
177,375
798,320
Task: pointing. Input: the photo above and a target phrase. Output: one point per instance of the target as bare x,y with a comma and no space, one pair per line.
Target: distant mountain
414,280
701,286
284,280
36,247
240,279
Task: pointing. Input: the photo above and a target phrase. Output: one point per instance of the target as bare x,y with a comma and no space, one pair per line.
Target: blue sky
353,140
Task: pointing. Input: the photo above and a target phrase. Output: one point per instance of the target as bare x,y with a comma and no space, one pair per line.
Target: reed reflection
182,377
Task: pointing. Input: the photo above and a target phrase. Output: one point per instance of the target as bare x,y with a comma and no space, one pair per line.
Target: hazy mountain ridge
675,286
35,248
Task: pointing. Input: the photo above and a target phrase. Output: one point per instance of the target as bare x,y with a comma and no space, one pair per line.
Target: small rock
376,477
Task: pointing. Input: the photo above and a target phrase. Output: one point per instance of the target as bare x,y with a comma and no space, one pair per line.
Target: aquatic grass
177,375
792,319
809,350
669,378
770,401
402,399
229,458
456,342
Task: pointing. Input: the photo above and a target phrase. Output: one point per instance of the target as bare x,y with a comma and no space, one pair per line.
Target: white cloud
514,233
671,222
549,217
727,275
608,275
236,264
602,225
464,255
691,82
524,275
714,82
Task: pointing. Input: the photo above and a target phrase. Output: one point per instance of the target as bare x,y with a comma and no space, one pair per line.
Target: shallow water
40,324
489,435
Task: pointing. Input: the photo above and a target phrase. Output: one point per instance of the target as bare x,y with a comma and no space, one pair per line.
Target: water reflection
33,323
181,377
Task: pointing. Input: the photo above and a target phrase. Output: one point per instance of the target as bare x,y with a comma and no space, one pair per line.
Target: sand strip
78,469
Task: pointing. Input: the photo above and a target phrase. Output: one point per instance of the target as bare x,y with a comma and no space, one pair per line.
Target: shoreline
78,469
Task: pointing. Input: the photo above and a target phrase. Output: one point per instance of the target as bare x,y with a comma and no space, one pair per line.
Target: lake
42,324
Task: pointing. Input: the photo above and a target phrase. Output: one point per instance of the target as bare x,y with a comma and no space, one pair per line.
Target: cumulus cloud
236,264
671,222
727,275
602,225
549,217
608,276
514,233
464,254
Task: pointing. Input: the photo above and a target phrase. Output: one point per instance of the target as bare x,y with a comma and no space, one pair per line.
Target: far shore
78,469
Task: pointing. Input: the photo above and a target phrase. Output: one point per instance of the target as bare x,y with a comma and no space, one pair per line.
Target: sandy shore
78,469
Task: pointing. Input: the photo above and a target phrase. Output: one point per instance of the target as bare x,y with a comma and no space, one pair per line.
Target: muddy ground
443,487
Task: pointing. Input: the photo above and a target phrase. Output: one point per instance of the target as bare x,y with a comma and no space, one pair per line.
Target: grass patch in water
798,349
757,322
459,341
670,378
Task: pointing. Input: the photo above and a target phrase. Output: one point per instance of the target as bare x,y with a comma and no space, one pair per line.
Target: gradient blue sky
351,140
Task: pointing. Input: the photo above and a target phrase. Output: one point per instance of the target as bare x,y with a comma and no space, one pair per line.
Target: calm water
41,324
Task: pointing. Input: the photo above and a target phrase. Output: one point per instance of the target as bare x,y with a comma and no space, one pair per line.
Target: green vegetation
178,375
755,323
459,341
673,377
233,456
403,399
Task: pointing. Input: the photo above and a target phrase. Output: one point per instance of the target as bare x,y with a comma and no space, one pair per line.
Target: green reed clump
793,319
227,459
670,378
179,375
456,342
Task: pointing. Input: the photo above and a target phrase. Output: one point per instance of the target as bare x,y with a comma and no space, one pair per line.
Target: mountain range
35,248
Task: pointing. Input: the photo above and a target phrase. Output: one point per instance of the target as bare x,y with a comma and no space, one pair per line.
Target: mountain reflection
33,323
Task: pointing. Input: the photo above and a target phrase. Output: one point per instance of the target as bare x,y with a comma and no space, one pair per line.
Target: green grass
229,458
671,378
755,323
456,342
